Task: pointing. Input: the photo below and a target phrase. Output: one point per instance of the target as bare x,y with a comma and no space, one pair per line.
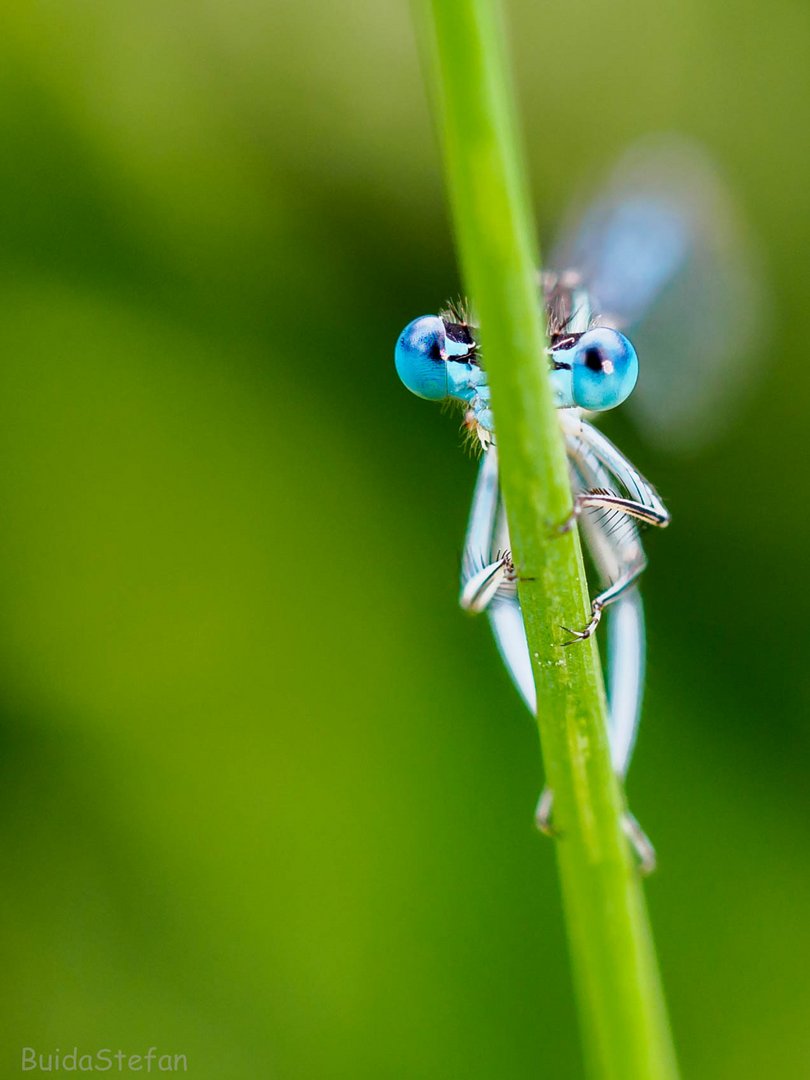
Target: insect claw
576,635
582,635
567,525
640,842
543,814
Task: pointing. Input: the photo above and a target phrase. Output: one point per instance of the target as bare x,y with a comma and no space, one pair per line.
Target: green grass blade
624,1021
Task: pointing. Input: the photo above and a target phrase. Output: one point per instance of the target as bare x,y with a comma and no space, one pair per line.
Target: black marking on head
459,332
561,343
564,341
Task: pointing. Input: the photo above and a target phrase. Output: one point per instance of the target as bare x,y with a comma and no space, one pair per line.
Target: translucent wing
665,258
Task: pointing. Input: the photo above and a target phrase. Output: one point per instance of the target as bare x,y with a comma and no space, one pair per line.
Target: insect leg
486,569
488,578
597,461
619,559
627,580
642,501
608,500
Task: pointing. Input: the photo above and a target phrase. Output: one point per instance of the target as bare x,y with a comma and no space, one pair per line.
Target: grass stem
624,1022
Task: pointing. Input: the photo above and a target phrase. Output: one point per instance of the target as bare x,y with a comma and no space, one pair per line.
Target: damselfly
658,228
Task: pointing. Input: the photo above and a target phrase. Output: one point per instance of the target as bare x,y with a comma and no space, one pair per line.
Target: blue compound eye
420,357
604,369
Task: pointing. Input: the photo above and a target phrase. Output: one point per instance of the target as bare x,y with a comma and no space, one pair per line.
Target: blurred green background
266,796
